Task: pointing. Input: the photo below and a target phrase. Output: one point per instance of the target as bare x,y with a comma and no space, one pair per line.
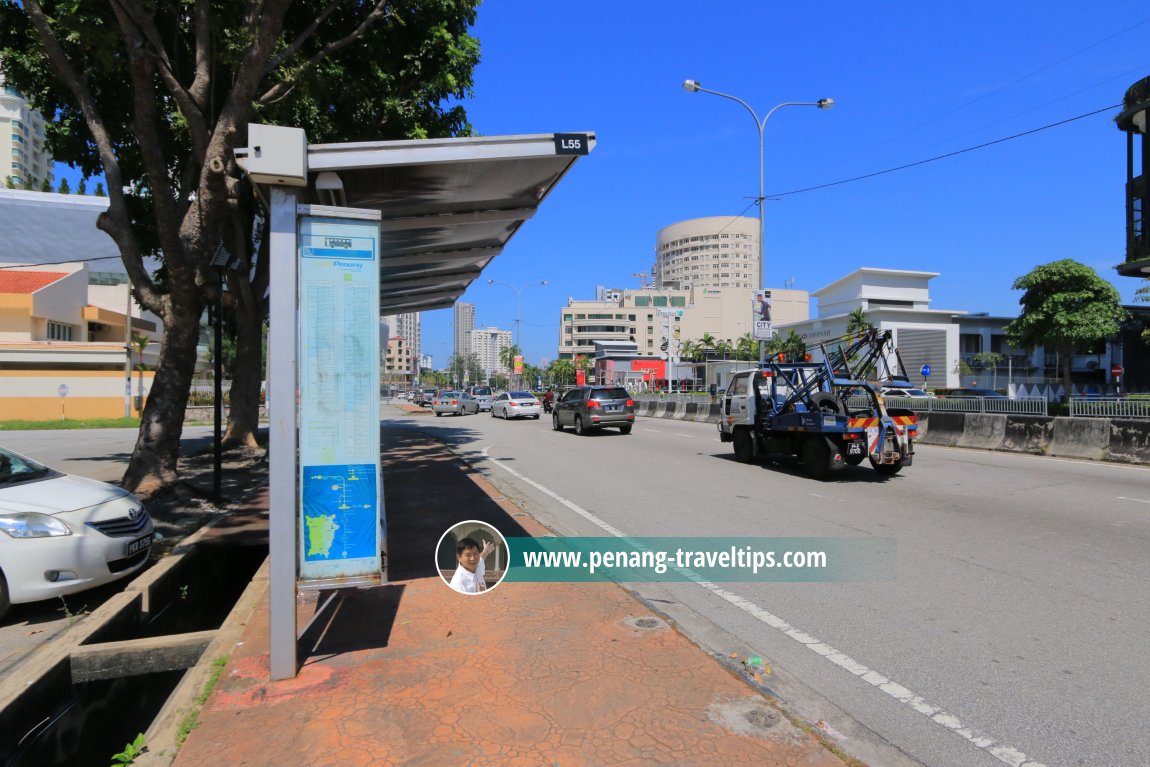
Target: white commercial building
716,252
24,156
488,344
896,300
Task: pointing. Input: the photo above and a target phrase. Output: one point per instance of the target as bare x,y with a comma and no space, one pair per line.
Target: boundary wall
1122,440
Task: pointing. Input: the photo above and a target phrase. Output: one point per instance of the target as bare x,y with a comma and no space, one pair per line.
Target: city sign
925,371
763,330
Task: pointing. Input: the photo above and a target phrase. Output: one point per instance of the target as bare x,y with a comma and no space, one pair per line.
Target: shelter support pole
283,435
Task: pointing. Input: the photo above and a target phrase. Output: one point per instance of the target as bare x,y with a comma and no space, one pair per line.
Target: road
97,453
1014,632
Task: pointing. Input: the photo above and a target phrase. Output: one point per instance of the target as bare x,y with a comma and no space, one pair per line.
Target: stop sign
1117,370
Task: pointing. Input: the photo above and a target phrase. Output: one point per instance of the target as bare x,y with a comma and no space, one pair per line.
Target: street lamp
517,290
692,86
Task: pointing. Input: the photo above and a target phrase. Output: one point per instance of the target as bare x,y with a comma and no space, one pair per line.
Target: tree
561,372
82,187
1065,304
46,185
857,322
1142,295
64,188
746,348
100,190
691,350
724,349
155,96
9,183
992,360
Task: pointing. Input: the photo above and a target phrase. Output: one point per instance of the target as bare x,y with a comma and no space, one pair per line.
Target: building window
970,343
58,331
678,301
642,301
566,317
660,301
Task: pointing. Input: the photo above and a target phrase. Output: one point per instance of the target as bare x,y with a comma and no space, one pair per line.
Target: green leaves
1065,304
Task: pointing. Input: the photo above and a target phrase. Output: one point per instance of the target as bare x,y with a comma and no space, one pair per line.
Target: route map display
340,488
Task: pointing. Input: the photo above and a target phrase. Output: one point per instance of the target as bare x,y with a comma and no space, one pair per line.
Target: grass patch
72,423
192,719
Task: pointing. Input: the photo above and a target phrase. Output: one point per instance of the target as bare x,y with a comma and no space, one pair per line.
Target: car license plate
138,545
614,408
854,448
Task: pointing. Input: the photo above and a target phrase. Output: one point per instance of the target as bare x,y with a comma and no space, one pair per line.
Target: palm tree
746,348
857,322
690,350
724,349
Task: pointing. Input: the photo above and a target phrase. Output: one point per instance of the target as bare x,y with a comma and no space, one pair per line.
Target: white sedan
516,404
60,534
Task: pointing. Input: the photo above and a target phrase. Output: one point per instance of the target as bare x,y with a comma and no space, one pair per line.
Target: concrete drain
748,716
646,624
761,717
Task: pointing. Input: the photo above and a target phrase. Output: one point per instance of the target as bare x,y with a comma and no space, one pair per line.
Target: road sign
1117,370
663,346
62,390
925,371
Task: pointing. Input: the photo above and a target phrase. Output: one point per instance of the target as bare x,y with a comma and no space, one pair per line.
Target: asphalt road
97,453
1014,632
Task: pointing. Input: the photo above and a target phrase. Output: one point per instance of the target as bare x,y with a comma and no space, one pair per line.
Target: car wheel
492,412
555,424
437,414
625,429
4,598
579,426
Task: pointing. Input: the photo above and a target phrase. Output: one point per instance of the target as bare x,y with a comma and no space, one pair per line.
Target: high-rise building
24,153
713,252
488,344
464,324
408,327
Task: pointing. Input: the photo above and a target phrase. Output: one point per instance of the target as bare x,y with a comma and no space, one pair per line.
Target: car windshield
615,393
522,395
917,393
17,468
481,391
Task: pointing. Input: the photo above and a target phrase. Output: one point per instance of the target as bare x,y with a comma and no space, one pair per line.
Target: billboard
763,328
518,364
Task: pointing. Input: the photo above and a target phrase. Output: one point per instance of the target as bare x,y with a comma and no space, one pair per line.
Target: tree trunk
156,456
247,373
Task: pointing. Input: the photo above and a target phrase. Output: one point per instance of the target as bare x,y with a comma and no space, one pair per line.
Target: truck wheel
825,402
816,457
744,446
889,469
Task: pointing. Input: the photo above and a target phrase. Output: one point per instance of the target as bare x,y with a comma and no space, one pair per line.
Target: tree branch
115,221
378,13
291,50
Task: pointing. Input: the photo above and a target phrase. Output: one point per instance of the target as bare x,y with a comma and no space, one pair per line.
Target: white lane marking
688,436
1136,500
653,431
1006,754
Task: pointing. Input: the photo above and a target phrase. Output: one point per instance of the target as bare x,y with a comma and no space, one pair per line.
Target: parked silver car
592,407
457,402
516,404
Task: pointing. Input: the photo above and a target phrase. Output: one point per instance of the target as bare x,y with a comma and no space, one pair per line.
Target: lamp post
692,86
517,290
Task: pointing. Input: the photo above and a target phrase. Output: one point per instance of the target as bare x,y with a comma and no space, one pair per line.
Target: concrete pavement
527,674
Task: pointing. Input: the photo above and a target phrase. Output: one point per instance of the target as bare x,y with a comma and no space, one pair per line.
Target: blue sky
910,81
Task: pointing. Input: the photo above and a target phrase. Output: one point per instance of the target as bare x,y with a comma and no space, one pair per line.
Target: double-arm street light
517,290
693,86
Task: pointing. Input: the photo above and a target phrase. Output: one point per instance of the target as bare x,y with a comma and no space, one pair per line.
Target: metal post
218,367
128,350
284,469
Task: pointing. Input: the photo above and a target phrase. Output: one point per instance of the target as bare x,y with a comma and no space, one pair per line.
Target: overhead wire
936,158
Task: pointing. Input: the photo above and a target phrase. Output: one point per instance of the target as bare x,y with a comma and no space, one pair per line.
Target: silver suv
483,395
592,407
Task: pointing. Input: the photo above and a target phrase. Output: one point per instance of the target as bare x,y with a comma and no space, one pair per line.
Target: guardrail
1035,406
672,397
1109,407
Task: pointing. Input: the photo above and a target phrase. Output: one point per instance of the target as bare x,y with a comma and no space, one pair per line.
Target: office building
712,252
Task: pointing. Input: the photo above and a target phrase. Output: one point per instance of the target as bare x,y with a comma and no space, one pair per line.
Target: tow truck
829,413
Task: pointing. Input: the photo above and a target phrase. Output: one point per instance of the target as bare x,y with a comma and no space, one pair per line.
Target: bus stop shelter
414,221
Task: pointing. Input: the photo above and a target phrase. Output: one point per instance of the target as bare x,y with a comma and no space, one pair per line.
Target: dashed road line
1003,753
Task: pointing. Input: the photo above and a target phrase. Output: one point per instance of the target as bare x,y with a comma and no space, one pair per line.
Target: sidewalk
529,674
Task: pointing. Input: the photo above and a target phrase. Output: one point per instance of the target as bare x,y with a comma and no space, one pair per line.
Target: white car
897,391
60,534
516,404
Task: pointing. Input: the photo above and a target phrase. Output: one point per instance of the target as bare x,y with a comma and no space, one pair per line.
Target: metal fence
1109,407
1035,406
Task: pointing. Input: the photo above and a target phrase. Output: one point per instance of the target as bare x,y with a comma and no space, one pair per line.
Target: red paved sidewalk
528,674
